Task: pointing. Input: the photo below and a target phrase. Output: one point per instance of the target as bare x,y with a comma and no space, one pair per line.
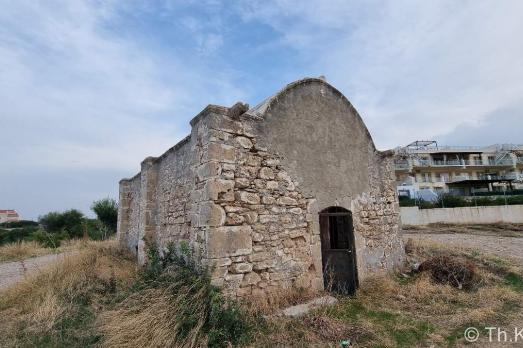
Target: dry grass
145,321
62,301
175,306
93,298
26,249
408,311
22,250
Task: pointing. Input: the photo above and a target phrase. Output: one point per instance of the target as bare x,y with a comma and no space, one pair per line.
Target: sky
89,88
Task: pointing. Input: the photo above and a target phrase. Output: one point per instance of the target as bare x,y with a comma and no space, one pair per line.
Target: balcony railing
402,165
455,163
511,176
496,148
460,178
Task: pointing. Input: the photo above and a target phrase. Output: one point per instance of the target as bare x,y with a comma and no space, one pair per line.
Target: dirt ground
502,240
12,272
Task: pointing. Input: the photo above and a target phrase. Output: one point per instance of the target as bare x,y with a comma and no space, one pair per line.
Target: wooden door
338,251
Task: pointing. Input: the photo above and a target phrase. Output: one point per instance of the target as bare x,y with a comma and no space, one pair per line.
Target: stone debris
304,308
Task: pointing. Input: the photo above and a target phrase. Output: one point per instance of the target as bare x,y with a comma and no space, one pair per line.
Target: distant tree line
54,227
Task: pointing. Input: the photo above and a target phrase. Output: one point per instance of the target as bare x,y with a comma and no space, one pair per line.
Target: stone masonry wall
262,239
244,206
377,225
268,235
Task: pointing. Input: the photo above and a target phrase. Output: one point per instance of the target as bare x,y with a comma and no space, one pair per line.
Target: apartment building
8,215
424,168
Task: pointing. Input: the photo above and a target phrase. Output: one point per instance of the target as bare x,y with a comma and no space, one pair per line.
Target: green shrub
17,234
19,224
515,200
49,240
449,201
107,212
425,204
97,230
406,201
70,221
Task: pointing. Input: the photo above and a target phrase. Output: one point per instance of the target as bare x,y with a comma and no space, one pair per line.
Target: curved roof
262,108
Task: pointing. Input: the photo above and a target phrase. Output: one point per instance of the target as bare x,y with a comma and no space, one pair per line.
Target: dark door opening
338,251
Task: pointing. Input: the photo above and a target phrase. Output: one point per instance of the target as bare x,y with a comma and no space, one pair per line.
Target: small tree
69,221
107,212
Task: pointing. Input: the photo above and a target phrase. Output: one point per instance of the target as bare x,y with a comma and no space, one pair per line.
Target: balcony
503,162
402,165
461,163
512,176
459,178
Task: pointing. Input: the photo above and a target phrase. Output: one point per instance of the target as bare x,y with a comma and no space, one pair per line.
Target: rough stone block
233,280
266,173
296,211
268,200
244,142
218,189
247,172
251,217
234,219
242,267
268,218
259,256
220,153
208,170
248,197
211,215
251,278
220,262
242,182
287,201
272,185
262,265
229,241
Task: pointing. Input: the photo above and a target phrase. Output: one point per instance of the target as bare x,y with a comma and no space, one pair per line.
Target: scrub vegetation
97,296
23,239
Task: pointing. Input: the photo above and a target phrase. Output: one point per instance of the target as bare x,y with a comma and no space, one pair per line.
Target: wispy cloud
89,88
83,97
82,101
413,69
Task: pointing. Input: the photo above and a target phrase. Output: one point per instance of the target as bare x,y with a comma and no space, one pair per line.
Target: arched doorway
338,251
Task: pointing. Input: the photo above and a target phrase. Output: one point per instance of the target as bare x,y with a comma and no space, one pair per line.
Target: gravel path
506,247
12,272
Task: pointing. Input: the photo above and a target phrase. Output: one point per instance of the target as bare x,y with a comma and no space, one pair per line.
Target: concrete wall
465,215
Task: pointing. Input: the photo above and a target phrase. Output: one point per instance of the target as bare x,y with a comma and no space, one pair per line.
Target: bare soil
13,272
503,240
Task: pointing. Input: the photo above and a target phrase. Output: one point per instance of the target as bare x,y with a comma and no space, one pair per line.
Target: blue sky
90,88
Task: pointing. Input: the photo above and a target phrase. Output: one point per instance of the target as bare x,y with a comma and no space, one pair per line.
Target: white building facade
425,169
8,215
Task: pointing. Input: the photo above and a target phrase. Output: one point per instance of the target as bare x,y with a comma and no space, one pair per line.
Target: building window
443,177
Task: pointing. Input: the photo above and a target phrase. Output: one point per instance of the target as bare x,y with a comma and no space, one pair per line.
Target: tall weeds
58,307
175,305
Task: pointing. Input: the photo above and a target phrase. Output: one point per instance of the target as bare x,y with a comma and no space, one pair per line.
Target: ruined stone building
289,193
